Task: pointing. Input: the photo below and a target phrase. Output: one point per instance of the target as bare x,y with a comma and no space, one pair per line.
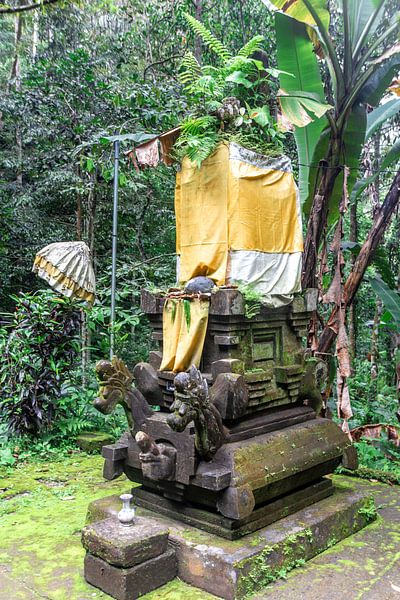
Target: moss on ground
42,509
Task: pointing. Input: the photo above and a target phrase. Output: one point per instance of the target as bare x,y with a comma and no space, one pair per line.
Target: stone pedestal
127,562
235,569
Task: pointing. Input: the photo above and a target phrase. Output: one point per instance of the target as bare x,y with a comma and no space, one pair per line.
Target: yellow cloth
229,204
184,331
202,218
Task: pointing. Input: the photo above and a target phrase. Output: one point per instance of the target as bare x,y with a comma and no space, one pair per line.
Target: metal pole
114,246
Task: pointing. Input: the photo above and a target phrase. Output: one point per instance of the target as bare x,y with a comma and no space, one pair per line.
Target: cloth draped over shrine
184,331
238,220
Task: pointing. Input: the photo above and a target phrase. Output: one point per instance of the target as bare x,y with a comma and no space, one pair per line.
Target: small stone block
129,584
226,365
227,302
115,451
124,546
93,441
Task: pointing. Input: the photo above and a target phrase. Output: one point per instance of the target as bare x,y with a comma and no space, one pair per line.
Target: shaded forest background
73,74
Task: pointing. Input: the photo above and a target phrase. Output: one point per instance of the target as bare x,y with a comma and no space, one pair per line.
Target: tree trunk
318,215
352,308
381,222
374,339
198,11
35,34
15,81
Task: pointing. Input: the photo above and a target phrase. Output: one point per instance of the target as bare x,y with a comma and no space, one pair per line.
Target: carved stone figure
192,403
158,460
115,381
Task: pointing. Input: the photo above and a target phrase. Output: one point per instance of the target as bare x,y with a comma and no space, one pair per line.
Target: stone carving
192,403
158,460
115,387
313,383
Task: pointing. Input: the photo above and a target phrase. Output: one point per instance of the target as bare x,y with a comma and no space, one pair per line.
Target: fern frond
252,45
189,68
198,138
208,38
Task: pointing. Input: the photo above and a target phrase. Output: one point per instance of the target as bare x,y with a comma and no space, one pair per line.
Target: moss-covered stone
41,524
93,441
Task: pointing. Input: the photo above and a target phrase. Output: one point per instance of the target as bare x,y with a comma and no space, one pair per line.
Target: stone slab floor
43,507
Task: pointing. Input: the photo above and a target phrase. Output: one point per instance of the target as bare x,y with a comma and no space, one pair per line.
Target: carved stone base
236,569
129,584
233,529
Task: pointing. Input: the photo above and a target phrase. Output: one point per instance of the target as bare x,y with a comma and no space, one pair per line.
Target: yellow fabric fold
202,217
184,331
230,204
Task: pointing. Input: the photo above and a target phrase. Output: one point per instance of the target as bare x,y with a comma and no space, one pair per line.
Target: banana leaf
377,117
389,297
296,56
363,13
374,88
298,10
393,156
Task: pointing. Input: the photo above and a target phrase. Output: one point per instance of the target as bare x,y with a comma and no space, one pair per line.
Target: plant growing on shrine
230,101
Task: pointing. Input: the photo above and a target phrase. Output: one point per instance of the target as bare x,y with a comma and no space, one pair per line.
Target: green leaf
261,116
353,142
208,38
297,9
89,165
377,117
389,297
360,13
251,46
138,137
239,78
296,56
393,156
374,88
186,310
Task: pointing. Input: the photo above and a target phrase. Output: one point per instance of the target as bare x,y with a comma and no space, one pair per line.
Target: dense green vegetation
73,75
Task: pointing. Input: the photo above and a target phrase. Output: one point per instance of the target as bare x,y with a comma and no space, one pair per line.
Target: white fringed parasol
67,268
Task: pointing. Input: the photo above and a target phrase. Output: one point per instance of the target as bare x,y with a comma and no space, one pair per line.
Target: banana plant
358,78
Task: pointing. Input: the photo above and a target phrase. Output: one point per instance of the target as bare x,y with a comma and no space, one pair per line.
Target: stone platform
236,569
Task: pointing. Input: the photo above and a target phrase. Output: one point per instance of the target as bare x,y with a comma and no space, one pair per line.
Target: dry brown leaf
375,430
342,347
395,87
345,196
167,140
147,154
343,395
132,157
334,293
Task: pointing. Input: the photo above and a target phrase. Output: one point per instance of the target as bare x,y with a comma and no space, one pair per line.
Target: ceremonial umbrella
67,267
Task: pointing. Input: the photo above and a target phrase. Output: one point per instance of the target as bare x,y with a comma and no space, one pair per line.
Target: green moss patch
43,508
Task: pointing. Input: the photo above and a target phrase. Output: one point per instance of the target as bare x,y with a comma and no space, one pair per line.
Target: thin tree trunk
318,215
35,34
198,11
380,224
375,338
15,81
353,306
